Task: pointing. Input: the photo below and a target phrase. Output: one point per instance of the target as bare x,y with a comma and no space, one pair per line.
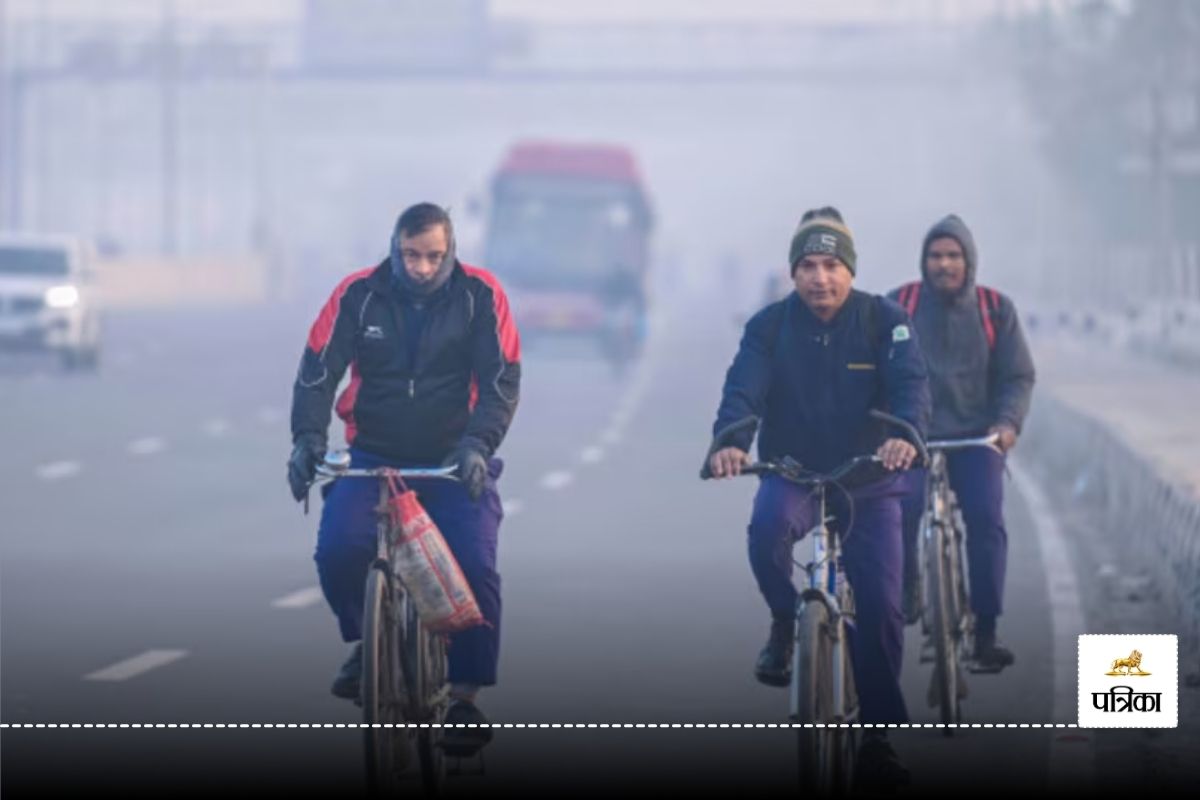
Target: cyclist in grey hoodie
981,376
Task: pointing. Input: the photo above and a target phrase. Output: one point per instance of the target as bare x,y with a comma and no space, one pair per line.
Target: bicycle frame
825,583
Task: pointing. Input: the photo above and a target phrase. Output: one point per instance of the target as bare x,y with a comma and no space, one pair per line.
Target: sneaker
347,682
461,742
774,665
878,768
991,655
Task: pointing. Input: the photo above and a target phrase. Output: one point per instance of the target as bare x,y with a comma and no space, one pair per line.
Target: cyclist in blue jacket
810,367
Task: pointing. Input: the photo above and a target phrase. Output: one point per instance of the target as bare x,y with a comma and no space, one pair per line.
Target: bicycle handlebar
721,439
336,464
794,473
990,442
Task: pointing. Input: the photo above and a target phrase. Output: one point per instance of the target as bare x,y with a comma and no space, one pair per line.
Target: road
145,517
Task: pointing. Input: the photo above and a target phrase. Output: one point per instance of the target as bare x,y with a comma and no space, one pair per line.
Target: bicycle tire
946,668
813,688
380,685
425,666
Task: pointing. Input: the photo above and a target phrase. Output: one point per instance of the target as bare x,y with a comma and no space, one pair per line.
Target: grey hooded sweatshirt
973,387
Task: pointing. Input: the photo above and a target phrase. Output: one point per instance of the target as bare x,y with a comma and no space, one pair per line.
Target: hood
952,226
406,285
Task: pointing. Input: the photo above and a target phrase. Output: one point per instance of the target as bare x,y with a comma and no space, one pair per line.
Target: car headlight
62,297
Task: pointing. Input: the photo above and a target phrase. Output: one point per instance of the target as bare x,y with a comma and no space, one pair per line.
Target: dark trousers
346,547
977,478
872,558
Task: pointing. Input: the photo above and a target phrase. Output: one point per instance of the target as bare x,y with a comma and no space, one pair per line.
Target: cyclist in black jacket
434,360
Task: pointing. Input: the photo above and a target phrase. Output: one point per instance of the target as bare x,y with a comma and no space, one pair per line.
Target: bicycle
404,679
946,618
822,692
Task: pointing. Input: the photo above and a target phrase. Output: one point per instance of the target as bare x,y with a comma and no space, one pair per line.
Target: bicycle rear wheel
945,626
812,699
386,748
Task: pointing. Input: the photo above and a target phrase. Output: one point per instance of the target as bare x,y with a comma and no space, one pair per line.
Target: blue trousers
977,478
873,560
346,547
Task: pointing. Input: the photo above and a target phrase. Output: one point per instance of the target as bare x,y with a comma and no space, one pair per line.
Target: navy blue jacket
812,383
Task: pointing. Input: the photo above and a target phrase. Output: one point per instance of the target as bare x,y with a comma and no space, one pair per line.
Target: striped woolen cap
823,231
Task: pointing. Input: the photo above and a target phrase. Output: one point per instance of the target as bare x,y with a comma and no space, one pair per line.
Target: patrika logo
1134,662
1140,690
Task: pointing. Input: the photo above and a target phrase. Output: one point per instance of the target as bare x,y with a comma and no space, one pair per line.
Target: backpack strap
989,306
910,294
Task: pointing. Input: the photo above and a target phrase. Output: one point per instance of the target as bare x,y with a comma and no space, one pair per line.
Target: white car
47,297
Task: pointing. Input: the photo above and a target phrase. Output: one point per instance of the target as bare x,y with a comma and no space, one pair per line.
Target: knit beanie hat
822,230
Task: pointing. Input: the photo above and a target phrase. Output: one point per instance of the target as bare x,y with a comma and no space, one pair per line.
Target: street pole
169,133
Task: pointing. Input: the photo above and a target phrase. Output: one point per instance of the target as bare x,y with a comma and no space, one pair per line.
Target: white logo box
1128,697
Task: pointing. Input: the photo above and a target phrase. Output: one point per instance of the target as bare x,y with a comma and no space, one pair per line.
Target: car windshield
32,261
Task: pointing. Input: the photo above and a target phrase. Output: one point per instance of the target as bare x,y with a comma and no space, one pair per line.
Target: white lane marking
146,446
592,455
269,415
132,667
58,469
556,480
1070,763
299,599
216,427
611,436
512,507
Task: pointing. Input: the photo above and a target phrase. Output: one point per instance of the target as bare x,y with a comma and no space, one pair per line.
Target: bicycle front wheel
812,698
386,747
945,627
425,668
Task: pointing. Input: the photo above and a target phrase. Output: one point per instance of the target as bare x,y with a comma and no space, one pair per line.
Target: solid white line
299,599
58,470
592,455
556,480
512,507
132,667
1070,763
216,427
146,446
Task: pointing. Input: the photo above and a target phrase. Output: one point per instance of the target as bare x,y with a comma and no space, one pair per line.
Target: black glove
307,453
472,469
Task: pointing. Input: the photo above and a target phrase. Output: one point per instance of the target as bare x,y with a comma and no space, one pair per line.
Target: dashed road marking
137,665
58,470
216,427
556,480
299,599
269,415
512,507
146,446
592,455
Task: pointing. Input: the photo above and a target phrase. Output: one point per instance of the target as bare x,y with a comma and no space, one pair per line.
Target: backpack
989,306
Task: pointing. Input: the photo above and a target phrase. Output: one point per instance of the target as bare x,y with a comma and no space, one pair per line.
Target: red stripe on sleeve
506,329
345,403
322,329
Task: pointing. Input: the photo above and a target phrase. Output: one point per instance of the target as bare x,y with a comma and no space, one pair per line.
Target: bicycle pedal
975,668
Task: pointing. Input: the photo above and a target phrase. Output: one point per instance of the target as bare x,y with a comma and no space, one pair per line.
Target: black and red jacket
413,405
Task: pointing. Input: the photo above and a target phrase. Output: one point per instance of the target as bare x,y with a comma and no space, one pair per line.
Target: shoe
911,604
460,742
347,684
774,665
878,768
992,656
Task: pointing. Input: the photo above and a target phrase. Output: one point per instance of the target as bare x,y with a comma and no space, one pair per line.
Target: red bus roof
608,162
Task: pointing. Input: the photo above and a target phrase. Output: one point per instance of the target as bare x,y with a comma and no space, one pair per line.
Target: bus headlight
62,297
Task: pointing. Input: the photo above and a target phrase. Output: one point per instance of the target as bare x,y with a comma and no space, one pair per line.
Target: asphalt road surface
154,569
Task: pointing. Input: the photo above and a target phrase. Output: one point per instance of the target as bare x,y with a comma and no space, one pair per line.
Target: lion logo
1134,662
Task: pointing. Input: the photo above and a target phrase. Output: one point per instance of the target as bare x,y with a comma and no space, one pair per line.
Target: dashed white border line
618,725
